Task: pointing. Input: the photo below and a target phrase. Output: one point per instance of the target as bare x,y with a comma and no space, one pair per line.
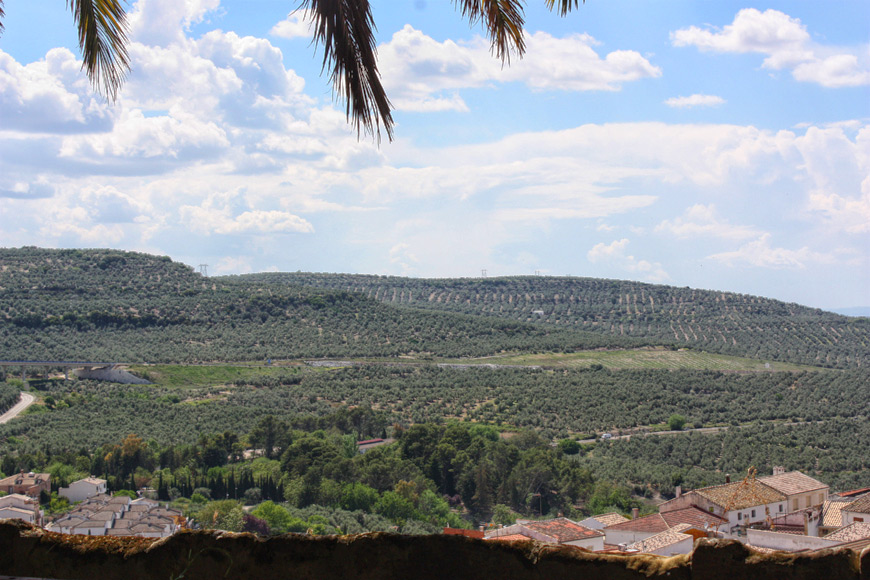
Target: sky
715,145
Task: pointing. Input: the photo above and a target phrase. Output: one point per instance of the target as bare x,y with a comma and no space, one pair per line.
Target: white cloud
614,254
296,25
701,220
761,254
422,74
49,96
164,22
786,44
209,219
695,101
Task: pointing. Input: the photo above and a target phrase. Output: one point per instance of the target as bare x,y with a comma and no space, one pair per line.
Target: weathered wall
29,551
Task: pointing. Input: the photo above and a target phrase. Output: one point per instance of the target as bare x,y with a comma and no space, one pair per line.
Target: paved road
26,400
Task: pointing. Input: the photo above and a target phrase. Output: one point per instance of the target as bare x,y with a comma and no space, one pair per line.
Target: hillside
131,307
720,322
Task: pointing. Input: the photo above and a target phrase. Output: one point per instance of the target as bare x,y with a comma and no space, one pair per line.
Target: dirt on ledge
29,551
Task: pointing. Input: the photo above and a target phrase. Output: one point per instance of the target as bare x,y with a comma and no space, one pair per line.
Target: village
784,511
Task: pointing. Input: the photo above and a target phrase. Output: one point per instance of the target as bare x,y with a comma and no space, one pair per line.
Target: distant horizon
720,145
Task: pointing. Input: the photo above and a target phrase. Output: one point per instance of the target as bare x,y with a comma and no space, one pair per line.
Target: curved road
26,400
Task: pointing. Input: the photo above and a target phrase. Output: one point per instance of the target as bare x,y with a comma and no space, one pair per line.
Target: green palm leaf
102,26
346,29
503,20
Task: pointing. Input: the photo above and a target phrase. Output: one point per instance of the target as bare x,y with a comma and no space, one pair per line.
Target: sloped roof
831,513
694,516
792,483
563,530
739,496
654,523
853,532
610,519
860,505
662,539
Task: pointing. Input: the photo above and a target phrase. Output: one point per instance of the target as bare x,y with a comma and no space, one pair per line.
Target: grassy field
206,375
647,358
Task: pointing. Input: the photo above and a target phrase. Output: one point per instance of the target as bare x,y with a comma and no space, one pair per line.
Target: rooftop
860,505
740,495
792,483
831,513
563,530
662,539
610,519
851,533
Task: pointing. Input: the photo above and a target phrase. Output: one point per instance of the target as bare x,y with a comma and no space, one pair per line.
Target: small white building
83,489
801,490
668,543
21,507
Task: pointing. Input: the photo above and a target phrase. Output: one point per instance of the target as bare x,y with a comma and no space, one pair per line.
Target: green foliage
676,422
125,493
221,515
9,395
503,515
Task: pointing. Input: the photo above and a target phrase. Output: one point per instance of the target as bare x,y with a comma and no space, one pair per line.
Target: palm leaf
565,6
2,14
503,20
102,26
346,29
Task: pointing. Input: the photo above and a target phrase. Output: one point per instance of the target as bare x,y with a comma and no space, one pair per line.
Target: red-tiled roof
654,523
693,516
792,483
563,530
852,492
861,505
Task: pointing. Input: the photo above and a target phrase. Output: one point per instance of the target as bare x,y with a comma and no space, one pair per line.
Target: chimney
678,490
634,512
778,469
727,478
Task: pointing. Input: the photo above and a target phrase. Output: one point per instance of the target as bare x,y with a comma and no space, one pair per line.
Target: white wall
786,542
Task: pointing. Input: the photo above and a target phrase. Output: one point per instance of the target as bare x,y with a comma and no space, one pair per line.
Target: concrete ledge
29,551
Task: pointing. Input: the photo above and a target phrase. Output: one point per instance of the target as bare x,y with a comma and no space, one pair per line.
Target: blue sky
716,145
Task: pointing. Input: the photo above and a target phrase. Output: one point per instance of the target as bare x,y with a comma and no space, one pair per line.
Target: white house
857,511
556,531
22,507
668,543
801,490
83,489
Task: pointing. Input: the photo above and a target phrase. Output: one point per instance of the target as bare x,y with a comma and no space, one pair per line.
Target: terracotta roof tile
792,483
610,519
831,513
652,523
860,505
563,530
851,533
693,516
662,539
739,496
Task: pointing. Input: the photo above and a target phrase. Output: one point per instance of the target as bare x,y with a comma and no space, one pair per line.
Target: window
780,507
739,516
857,519
794,505
753,513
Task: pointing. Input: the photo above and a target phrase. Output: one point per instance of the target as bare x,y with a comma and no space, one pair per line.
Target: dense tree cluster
105,305
834,451
9,395
721,322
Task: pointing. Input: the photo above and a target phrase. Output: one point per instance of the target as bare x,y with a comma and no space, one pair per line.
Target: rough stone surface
29,551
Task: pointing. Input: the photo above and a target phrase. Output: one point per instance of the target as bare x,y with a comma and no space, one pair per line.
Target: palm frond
102,26
346,29
2,14
503,20
565,6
